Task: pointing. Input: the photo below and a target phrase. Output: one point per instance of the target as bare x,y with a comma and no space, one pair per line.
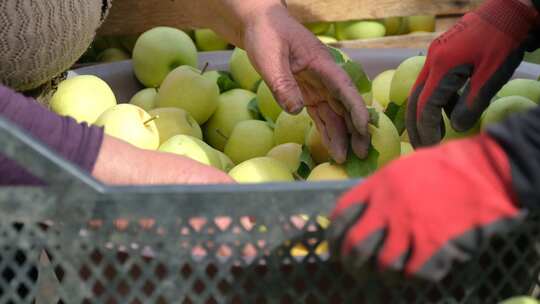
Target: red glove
421,213
485,47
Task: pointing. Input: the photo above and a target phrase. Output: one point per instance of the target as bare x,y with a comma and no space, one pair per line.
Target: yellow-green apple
421,23
327,39
145,98
226,163
193,148
351,30
289,154
268,105
261,170
249,139
502,108
232,109
318,28
328,171
131,124
451,133
406,148
174,121
187,89
243,71
159,51
404,79
208,40
316,148
292,128
83,97
527,88
381,87
112,54
393,25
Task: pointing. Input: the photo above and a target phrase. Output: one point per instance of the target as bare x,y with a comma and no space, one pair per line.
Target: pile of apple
231,121
365,29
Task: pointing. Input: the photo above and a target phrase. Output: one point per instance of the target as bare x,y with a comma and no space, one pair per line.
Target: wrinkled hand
423,212
300,71
481,53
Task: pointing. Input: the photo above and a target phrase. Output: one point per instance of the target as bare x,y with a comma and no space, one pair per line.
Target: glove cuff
509,16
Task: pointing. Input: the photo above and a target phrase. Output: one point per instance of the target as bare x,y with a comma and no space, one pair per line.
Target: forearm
120,163
520,138
229,18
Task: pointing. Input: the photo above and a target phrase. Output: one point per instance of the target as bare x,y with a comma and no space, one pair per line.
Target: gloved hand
485,47
300,71
423,212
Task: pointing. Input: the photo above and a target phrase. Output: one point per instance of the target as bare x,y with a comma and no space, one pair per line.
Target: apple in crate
145,98
131,124
187,89
83,97
193,148
327,172
243,71
268,105
289,154
261,170
249,139
502,108
159,51
208,40
174,121
292,128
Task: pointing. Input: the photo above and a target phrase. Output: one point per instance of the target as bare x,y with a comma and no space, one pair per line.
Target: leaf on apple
396,113
338,57
306,163
373,117
358,76
253,108
226,83
357,167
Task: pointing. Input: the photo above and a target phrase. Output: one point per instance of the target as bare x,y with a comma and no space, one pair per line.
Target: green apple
327,39
187,89
527,88
502,108
384,139
318,28
405,78
451,133
268,105
193,148
112,54
261,170
289,154
352,30
249,139
159,51
381,87
233,107
393,25
243,71
520,300
315,145
208,40
405,136
292,128
174,121
406,148
131,124
212,75
145,98
83,97
226,163
327,172
422,23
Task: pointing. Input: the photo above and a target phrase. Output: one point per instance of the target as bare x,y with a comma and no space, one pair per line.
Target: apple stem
151,119
218,131
205,67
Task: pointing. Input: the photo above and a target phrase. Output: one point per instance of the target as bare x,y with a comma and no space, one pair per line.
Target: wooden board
137,16
414,41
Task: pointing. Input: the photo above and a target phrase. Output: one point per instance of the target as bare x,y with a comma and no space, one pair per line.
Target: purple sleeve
78,143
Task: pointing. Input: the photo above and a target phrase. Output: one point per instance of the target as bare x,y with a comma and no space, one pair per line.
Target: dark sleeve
520,138
78,143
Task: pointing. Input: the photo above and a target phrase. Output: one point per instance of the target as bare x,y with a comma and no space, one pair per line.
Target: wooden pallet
136,16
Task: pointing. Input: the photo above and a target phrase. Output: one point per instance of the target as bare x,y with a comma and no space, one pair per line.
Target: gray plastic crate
209,244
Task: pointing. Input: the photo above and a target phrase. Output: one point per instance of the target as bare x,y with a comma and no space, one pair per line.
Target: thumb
276,71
